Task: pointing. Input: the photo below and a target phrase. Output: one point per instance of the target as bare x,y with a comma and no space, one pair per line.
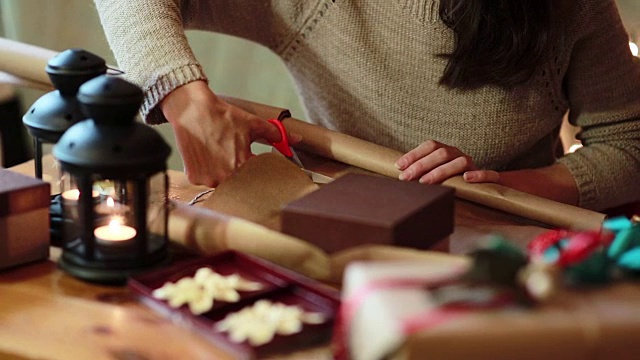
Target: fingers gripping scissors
285,149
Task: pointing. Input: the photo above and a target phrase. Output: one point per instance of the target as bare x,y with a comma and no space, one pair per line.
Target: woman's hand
433,162
214,138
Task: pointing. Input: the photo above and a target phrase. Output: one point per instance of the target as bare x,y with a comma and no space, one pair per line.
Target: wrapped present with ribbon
575,295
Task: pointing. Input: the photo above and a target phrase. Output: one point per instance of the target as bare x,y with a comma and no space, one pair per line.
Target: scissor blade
295,159
317,177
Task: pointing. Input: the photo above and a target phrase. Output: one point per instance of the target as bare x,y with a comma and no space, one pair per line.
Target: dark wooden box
24,219
359,209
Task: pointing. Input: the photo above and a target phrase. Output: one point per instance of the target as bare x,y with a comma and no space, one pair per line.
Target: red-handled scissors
283,145
285,149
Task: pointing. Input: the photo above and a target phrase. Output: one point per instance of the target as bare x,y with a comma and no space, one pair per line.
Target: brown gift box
24,219
358,209
587,323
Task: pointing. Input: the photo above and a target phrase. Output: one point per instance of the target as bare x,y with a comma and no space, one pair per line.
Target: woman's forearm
553,182
148,40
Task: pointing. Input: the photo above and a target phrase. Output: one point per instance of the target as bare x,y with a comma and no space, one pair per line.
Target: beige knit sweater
369,68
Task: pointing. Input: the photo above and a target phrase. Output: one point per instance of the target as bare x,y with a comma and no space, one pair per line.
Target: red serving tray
279,285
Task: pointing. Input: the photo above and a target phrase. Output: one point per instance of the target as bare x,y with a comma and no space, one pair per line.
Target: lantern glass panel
157,207
116,220
70,198
122,212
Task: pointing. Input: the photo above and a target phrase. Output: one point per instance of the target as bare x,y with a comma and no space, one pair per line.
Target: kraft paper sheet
259,189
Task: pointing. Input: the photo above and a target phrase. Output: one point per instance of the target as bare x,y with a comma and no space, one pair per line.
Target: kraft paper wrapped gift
24,219
587,323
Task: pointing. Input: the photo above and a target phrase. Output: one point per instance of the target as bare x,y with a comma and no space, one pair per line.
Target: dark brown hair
498,42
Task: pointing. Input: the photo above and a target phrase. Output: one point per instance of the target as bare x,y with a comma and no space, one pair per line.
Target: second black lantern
53,113
114,186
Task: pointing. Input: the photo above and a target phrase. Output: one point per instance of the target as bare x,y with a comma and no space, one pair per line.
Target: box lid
20,193
373,199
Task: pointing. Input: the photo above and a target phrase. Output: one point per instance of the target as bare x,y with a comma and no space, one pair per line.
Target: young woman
461,86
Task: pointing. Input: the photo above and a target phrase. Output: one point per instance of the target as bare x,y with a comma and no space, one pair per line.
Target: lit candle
114,233
111,207
71,195
634,48
74,194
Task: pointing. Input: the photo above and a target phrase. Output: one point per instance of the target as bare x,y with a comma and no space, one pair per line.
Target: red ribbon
580,245
350,306
443,314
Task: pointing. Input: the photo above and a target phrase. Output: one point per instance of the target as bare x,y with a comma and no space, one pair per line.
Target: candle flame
634,48
74,194
110,202
114,224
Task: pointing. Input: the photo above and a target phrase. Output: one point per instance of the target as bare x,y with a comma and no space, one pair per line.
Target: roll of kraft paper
211,232
24,64
369,156
28,61
9,79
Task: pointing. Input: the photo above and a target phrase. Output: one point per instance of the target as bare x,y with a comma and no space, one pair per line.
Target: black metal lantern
53,113
114,186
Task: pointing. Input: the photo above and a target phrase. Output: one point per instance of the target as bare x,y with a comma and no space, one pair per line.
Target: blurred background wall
630,13
235,67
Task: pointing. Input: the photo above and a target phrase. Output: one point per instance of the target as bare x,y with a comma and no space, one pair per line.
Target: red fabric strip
350,306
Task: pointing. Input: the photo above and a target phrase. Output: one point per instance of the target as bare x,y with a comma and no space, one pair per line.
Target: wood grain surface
46,314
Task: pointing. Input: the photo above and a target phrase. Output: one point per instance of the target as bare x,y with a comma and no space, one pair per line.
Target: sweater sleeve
603,88
148,40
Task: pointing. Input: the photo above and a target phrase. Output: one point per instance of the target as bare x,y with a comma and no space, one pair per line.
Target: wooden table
46,314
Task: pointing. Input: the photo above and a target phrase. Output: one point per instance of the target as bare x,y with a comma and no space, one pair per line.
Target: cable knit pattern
369,68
